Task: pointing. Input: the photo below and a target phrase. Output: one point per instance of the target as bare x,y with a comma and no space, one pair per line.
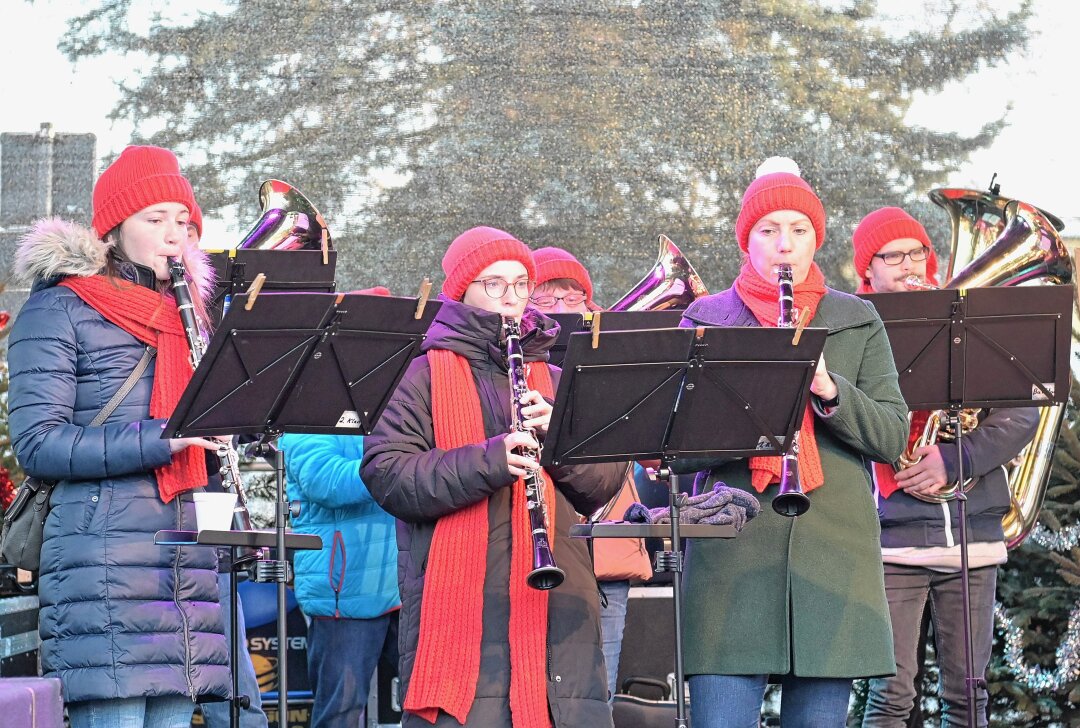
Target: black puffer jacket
418,484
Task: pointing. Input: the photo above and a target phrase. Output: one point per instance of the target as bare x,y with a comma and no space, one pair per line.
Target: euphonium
227,456
790,500
545,574
672,283
999,241
288,221
932,431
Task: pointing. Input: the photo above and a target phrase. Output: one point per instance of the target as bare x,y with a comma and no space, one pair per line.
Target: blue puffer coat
120,617
355,573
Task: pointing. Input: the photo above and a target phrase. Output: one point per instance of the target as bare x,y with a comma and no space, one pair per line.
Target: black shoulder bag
24,520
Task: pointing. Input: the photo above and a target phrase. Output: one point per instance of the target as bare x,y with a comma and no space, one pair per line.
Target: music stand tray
658,393
318,363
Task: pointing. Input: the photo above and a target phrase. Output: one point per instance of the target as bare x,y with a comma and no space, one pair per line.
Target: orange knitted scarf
762,297
148,317
447,663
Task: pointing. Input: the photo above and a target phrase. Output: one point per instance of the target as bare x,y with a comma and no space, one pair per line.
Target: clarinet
545,574
790,500
228,459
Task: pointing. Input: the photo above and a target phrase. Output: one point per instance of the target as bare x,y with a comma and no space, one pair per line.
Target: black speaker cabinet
648,648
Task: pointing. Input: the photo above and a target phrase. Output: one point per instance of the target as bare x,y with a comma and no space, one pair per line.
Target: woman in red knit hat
563,285
800,599
132,630
479,647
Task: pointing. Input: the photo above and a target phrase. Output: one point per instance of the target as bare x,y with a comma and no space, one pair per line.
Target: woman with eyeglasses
563,285
478,646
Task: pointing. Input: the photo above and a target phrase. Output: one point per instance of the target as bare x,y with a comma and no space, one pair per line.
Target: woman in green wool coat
799,599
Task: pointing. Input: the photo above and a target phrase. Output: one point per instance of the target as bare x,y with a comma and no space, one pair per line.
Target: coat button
94,499
558,678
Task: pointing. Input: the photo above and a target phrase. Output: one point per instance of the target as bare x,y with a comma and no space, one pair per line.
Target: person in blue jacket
348,590
132,629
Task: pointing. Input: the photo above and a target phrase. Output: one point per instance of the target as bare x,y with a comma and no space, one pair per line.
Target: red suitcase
31,702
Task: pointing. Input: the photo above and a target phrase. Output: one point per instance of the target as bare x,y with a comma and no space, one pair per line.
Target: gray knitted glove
720,506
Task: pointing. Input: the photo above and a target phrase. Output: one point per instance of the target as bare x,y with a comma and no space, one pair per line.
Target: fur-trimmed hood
55,248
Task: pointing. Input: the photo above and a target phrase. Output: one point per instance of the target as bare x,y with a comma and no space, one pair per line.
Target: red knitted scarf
884,474
447,663
762,297
147,316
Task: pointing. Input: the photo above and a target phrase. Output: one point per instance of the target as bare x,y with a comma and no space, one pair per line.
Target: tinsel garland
1064,539
1037,678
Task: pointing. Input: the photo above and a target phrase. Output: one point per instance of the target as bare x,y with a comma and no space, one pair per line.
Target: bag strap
126,387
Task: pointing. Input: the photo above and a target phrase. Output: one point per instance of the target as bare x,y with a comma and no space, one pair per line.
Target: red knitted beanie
476,249
778,191
880,228
141,176
553,263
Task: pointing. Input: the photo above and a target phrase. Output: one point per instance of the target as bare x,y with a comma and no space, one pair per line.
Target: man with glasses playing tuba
920,530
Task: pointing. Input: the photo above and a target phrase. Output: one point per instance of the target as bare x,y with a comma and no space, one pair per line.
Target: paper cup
214,511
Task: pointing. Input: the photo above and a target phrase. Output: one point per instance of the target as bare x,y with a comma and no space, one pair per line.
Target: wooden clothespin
804,317
253,290
422,298
596,329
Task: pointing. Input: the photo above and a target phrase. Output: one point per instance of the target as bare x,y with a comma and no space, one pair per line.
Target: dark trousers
342,656
908,589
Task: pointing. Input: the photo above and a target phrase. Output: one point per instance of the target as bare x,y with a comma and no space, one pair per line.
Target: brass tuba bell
288,221
672,283
997,241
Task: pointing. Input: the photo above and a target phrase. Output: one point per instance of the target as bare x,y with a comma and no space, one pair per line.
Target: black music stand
657,394
984,347
570,323
318,363
285,271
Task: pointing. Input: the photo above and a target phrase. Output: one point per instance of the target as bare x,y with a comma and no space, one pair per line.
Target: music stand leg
672,561
234,652
972,682
282,610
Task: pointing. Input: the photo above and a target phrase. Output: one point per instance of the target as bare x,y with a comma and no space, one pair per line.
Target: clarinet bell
790,501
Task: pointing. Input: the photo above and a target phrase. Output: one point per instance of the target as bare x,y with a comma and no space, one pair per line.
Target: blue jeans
734,701
216,715
342,655
612,622
908,588
169,711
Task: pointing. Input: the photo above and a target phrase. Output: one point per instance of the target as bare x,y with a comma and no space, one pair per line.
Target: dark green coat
805,595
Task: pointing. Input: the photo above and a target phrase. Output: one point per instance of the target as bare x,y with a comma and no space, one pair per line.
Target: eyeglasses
896,257
548,301
497,287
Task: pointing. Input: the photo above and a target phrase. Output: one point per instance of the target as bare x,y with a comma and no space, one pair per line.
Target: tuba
997,241
288,221
672,283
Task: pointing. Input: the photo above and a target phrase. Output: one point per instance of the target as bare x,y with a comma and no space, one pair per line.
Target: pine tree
595,126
